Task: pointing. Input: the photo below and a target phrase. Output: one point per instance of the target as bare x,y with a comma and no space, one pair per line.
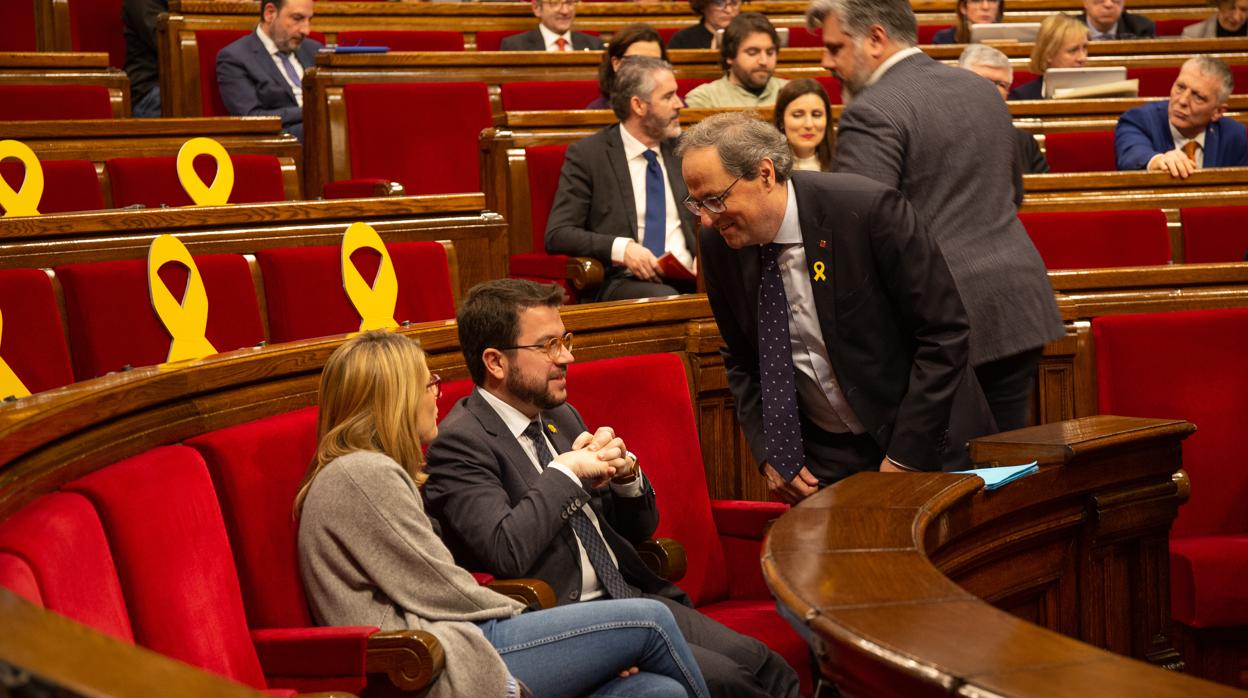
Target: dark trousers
626,286
831,457
1007,384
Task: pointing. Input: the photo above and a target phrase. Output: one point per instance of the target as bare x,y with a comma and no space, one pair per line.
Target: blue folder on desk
361,49
997,477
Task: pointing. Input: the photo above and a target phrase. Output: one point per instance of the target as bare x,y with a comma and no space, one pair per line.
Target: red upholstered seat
1080,151
59,538
492,39
548,96
17,577
1215,234
68,185
428,150
1190,365
18,20
33,340
209,43
112,323
683,85
801,37
1155,81
305,297
927,32
154,181
407,40
1091,239
543,163
832,86
1022,77
96,26
722,539
666,33
1173,27
54,102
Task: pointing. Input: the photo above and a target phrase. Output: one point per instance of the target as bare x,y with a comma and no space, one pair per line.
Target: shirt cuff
617,250
899,465
630,489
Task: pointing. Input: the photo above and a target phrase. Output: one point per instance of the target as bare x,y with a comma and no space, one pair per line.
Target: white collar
514,419
892,61
790,232
633,148
266,40
1180,140
548,37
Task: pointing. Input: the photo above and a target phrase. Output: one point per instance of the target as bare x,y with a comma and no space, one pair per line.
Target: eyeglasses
714,204
434,385
552,346
722,4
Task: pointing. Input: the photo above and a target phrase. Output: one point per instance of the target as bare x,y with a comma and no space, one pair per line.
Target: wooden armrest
584,273
665,557
412,659
526,591
389,189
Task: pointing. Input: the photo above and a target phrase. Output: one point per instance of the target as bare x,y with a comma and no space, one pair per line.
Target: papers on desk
998,477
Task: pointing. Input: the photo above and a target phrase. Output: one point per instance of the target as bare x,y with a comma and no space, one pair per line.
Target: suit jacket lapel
507,443
619,166
265,59
819,241
1212,156
679,191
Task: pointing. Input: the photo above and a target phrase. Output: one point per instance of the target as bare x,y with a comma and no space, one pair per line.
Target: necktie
781,425
289,68
561,44
655,235
595,546
1189,149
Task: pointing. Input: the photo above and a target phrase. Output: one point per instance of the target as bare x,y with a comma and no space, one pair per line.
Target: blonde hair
370,394
1055,31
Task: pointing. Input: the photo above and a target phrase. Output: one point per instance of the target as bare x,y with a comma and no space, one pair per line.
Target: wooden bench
45,68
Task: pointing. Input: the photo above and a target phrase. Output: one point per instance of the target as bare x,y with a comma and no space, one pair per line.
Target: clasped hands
598,458
804,483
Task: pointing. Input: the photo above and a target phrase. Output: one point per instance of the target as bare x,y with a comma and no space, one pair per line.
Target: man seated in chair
1187,132
620,189
261,74
554,30
508,504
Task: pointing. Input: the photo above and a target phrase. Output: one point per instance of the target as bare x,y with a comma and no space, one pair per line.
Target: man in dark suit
1107,19
845,338
510,507
262,73
554,32
1187,132
944,138
138,23
620,190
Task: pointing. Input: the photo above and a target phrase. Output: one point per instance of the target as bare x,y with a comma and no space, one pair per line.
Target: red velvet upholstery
33,341
832,86
54,102
164,526
927,32
1080,151
154,181
548,96
1155,81
68,185
407,40
683,85
303,288
666,33
801,37
18,20
1190,365
315,659
60,538
492,39
1173,27
1022,77
543,164
1092,239
95,25
17,577
445,164
112,323
209,43
1240,72
1215,234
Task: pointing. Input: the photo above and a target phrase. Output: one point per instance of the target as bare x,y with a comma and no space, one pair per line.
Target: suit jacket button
574,595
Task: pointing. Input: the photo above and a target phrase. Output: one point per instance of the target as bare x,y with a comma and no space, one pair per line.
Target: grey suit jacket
532,41
595,202
252,85
945,140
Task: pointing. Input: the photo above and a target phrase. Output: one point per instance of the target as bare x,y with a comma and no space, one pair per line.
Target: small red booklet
673,269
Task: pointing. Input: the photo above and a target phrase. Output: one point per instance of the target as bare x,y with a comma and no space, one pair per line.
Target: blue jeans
580,650
148,106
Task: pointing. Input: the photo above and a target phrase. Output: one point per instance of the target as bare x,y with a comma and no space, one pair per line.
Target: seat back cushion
54,102
1155,81
96,26
60,538
1186,365
1215,234
1094,239
559,95
543,163
112,323
18,20
257,468
68,185
658,426
1080,151
32,342
492,39
17,577
832,86
305,296
154,181
208,43
405,40
162,520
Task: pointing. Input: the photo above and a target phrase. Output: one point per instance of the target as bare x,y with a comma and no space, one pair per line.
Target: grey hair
982,54
742,140
858,16
635,78
1216,69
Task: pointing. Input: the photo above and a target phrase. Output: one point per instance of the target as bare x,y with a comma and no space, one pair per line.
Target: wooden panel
43,68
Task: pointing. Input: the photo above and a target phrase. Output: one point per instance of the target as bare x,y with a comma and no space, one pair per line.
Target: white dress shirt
550,37
281,69
892,61
634,152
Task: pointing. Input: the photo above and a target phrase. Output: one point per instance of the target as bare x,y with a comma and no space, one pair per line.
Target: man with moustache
554,30
620,189
509,506
748,57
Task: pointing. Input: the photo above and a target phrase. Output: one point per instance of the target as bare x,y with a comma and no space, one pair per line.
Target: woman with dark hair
633,40
715,15
970,12
802,115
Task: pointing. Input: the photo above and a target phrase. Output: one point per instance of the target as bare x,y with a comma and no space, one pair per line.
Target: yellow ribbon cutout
10,384
375,303
24,201
819,269
186,321
216,194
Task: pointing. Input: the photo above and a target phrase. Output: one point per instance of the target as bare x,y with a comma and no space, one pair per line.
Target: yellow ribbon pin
216,194
10,384
186,321
819,268
24,201
552,428
375,303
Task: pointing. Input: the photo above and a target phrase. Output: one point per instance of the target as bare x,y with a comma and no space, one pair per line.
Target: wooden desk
44,68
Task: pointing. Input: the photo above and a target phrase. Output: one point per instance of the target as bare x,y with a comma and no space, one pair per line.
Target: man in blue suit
261,74
1188,132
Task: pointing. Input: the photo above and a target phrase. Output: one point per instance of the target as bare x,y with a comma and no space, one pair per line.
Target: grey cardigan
369,556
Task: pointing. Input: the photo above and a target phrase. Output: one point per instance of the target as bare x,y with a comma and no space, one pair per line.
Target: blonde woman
369,555
1061,43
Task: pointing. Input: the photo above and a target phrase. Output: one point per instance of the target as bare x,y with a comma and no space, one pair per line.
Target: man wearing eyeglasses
619,190
554,32
517,484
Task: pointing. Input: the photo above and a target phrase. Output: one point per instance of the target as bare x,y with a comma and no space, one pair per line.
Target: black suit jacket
595,202
1129,26
1032,89
894,325
252,85
532,41
500,515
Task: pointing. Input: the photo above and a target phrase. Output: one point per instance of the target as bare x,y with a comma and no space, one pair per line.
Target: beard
659,128
535,391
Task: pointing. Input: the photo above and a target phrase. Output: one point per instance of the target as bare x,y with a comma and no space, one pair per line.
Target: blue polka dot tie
781,425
